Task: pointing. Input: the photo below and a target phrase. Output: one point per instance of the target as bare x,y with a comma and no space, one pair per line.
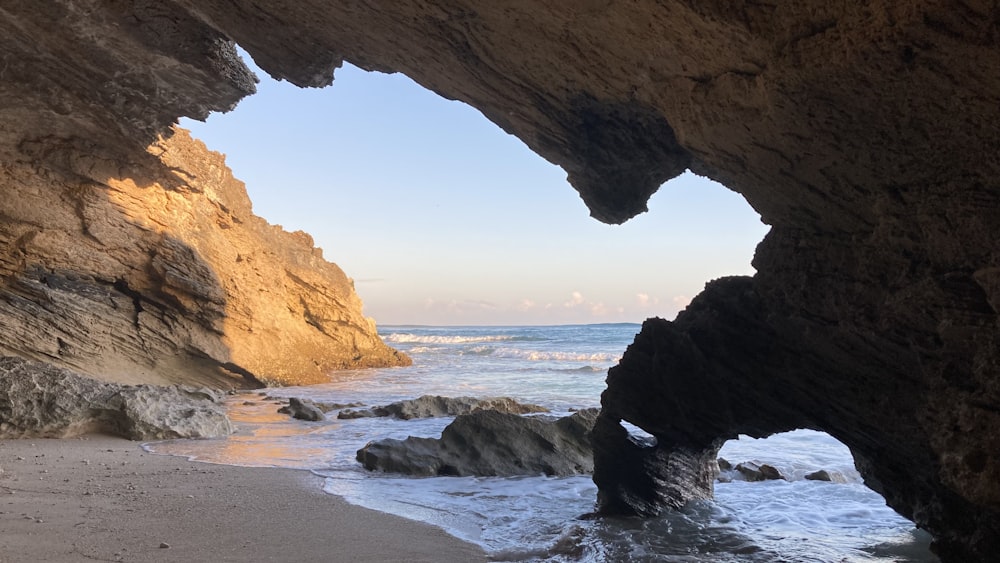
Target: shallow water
539,518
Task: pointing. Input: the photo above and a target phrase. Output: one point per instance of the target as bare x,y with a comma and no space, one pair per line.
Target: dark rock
753,471
302,409
724,465
42,401
641,476
350,414
429,406
863,133
487,442
327,407
824,475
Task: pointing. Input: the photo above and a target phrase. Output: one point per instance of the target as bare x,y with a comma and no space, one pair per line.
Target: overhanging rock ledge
864,134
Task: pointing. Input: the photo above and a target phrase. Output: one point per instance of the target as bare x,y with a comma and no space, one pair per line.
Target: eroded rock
828,476
863,133
487,442
754,471
42,401
302,409
172,278
430,406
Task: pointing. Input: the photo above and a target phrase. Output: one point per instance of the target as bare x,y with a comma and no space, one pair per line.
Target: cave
864,135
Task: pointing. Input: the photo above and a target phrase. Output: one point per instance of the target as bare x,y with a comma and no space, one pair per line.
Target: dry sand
104,499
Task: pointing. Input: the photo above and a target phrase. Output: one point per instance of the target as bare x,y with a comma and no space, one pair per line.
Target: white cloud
681,301
525,305
576,299
644,300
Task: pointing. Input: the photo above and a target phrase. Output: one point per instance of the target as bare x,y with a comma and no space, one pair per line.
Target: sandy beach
99,498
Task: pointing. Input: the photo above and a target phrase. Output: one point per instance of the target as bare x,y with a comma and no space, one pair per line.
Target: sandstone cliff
863,133
164,275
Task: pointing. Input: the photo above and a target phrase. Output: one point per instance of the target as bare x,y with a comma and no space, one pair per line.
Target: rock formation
166,276
42,401
428,406
491,443
302,409
863,133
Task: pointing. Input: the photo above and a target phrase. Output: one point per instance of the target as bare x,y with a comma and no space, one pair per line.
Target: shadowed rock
863,133
42,401
488,442
303,409
829,476
753,471
429,406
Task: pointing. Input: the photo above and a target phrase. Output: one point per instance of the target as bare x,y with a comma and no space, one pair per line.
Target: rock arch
865,135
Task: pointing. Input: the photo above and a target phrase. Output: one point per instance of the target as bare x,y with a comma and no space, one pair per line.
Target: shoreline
104,498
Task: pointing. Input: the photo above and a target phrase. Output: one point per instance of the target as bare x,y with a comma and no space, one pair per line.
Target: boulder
753,471
824,475
429,406
42,401
303,409
487,442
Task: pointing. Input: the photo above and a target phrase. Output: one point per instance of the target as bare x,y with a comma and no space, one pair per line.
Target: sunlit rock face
865,135
164,275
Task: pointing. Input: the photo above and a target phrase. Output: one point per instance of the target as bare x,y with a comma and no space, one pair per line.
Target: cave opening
442,218
798,492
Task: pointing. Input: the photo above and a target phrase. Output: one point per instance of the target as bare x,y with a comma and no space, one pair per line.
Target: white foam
543,356
409,338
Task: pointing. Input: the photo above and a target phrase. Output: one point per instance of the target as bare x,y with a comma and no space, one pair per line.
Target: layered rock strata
863,133
164,275
41,401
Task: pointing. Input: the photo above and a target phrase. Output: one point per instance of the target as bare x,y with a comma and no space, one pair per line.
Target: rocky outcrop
488,443
863,133
429,406
170,277
828,476
303,409
41,401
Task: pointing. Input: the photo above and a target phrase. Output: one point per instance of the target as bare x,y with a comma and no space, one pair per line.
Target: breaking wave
409,338
540,356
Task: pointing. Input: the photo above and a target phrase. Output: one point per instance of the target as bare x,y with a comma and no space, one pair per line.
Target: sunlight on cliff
442,218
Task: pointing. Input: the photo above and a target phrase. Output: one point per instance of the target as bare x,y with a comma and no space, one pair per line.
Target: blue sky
442,218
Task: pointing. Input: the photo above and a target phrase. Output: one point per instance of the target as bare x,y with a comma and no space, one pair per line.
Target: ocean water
538,518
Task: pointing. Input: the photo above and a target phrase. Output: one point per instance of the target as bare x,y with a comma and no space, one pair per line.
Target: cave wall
863,133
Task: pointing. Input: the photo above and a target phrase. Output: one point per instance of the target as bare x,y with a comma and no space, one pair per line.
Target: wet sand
102,498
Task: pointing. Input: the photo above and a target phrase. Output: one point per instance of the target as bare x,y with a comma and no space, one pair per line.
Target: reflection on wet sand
261,438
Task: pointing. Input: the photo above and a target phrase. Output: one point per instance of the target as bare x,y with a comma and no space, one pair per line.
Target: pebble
164,545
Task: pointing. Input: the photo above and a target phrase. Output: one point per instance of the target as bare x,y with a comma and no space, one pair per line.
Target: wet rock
638,476
40,400
350,414
824,475
865,137
327,407
487,442
429,406
302,409
753,471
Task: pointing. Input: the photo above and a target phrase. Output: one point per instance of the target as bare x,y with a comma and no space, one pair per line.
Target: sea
539,518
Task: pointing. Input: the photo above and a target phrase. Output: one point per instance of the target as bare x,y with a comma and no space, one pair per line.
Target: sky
442,218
